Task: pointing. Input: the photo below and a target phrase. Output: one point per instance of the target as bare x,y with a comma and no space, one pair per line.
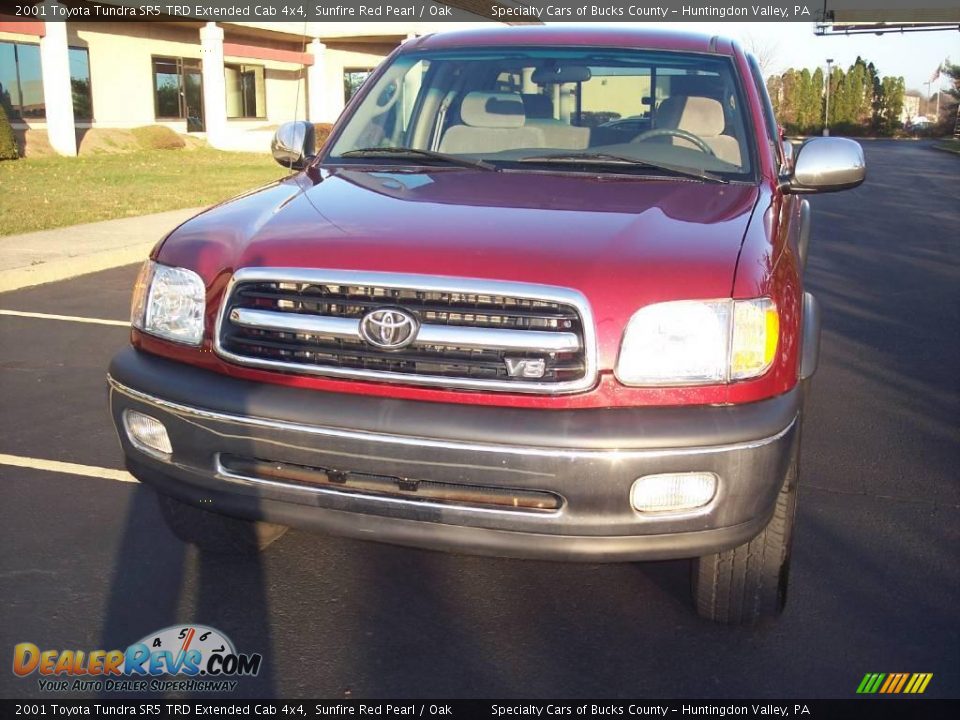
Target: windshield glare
513,107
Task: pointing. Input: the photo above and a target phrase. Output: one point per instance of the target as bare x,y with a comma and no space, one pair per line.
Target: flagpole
935,78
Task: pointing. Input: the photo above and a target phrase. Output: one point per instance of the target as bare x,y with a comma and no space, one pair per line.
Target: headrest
537,105
700,115
492,110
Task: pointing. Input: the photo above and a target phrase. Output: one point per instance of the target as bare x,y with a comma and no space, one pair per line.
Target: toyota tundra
540,294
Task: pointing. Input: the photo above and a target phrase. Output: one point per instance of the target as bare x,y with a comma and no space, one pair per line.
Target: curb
70,267
46,256
941,148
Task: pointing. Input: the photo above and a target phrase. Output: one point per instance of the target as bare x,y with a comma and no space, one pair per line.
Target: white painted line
65,467
69,318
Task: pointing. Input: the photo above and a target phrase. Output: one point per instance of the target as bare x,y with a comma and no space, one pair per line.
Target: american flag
936,74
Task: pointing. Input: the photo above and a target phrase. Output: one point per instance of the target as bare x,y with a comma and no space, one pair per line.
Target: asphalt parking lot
87,563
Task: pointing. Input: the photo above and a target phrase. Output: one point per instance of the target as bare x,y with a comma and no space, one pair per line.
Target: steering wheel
676,132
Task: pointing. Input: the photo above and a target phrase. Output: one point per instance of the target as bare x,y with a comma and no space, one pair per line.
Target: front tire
748,583
215,533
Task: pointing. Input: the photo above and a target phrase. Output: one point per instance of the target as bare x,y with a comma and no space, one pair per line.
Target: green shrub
8,143
158,137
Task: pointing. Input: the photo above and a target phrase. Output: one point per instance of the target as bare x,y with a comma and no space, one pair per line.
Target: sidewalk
50,255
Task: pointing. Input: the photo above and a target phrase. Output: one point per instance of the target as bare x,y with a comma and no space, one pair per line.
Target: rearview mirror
826,164
294,144
555,74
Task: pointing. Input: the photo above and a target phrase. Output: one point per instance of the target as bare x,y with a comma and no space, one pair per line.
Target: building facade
229,82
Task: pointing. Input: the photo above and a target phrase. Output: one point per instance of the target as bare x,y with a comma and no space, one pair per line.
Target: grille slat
474,315
344,354
294,323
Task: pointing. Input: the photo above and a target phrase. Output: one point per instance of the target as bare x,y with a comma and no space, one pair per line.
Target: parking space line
68,468
69,318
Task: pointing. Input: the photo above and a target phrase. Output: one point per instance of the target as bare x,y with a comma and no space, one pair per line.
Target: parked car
465,325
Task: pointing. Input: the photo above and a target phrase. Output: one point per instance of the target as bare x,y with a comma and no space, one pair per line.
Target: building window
352,80
21,82
80,84
246,93
178,91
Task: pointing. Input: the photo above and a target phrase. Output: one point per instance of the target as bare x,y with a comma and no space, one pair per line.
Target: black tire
748,584
215,533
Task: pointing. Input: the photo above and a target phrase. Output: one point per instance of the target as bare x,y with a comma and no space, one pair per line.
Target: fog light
146,433
673,492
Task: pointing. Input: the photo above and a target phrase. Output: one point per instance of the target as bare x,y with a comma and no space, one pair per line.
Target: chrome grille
469,333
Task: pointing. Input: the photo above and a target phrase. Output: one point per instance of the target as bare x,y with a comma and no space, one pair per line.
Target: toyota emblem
389,328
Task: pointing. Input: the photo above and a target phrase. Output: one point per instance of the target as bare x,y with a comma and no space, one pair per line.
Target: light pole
826,111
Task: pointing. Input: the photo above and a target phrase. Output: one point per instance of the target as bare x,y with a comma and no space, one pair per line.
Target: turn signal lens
756,334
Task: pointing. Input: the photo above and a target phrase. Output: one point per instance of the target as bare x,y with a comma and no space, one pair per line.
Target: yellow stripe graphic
893,683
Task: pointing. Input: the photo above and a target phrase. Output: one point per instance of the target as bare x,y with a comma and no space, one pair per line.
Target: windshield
607,110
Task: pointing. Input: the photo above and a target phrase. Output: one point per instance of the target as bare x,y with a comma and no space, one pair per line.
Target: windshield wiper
416,152
610,159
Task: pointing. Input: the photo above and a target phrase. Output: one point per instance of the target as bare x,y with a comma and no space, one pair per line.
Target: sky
913,55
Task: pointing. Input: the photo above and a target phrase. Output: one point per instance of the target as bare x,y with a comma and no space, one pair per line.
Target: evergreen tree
8,143
948,109
876,97
817,88
860,101
893,90
807,112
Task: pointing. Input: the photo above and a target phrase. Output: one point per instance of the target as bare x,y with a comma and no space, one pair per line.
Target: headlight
169,302
699,342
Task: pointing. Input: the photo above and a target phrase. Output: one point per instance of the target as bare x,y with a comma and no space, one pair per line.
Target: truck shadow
159,581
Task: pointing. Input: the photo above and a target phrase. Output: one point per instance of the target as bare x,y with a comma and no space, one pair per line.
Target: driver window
384,122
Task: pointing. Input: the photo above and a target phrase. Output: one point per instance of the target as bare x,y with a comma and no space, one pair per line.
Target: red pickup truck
540,295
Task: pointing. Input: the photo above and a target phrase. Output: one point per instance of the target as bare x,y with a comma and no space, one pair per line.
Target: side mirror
788,155
826,164
294,144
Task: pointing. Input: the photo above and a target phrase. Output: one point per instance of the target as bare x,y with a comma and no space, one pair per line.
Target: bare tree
765,51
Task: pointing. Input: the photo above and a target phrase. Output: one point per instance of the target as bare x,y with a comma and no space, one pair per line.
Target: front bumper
589,459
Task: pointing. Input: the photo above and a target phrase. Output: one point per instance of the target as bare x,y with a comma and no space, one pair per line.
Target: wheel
676,132
748,583
215,533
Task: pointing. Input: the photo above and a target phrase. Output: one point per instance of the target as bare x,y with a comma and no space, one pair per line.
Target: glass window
246,91
31,81
80,84
352,80
167,87
9,85
519,106
178,91
21,80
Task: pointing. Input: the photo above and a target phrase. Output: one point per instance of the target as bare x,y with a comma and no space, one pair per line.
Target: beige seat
703,117
491,122
556,133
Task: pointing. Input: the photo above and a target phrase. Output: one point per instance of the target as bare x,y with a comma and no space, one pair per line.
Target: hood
622,241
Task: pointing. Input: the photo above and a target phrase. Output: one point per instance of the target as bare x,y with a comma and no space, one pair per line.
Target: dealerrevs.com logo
188,658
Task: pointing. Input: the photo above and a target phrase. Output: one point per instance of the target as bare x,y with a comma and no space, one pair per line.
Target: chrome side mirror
294,144
826,164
